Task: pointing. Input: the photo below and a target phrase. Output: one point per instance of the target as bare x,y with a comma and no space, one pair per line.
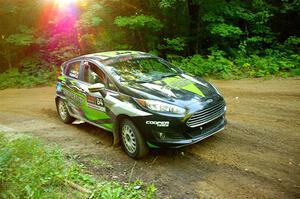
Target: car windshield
142,70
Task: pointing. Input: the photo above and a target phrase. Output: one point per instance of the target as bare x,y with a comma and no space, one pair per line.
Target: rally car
145,101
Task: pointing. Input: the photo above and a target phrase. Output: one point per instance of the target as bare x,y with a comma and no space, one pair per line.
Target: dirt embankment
257,156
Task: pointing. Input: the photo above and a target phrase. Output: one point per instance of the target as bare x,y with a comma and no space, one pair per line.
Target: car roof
101,56
110,56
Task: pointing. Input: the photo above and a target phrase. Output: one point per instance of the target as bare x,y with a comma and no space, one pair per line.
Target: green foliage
167,3
63,52
217,65
225,30
113,190
137,27
13,78
28,169
258,39
293,40
221,31
213,65
292,44
24,37
212,17
139,22
31,73
90,17
176,44
21,39
288,6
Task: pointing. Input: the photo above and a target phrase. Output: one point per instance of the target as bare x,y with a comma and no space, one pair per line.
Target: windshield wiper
135,81
169,75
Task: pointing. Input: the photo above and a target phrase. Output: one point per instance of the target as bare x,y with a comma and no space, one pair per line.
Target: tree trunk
7,56
193,10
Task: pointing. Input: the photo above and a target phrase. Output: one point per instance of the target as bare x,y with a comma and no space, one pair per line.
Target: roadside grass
101,163
30,169
14,78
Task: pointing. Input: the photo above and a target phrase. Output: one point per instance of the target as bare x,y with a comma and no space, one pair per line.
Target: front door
94,107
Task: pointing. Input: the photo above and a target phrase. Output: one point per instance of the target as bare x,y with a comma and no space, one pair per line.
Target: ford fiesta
145,101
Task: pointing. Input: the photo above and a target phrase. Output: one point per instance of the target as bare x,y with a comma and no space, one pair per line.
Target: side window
92,74
73,70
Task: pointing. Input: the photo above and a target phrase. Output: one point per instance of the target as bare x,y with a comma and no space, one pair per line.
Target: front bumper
205,133
178,134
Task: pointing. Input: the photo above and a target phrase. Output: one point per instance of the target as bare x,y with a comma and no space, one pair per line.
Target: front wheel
132,140
63,112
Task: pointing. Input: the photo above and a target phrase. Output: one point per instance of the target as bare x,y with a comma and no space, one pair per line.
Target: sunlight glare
64,3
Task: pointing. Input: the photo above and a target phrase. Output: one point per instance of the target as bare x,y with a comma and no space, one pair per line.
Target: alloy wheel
129,138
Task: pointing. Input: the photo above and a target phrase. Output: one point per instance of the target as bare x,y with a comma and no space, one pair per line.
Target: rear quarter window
73,70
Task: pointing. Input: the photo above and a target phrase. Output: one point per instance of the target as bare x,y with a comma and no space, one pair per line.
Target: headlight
162,107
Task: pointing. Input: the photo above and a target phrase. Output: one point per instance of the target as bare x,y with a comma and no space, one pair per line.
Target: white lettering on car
99,102
159,123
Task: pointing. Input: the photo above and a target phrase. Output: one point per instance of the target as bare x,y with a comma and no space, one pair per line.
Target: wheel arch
58,98
117,126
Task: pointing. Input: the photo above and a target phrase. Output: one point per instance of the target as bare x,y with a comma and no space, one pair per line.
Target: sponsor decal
159,123
96,103
75,99
58,87
99,102
90,99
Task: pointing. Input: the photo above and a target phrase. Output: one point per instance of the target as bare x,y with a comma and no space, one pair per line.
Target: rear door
73,87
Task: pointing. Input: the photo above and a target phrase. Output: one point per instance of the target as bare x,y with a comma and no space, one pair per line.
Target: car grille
206,115
206,127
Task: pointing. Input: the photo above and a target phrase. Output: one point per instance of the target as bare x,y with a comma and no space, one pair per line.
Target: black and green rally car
145,101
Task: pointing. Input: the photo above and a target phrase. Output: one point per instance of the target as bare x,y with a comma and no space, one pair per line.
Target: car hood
181,90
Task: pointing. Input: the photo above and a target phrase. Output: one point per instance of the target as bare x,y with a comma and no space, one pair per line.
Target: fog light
161,135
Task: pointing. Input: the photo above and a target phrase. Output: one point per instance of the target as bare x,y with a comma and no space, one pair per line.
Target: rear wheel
132,140
63,112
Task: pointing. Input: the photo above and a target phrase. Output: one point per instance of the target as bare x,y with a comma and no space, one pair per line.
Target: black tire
65,117
128,128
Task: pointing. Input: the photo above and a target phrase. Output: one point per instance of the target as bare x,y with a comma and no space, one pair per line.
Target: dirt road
257,156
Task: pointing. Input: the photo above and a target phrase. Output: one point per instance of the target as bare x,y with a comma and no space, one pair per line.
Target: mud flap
116,133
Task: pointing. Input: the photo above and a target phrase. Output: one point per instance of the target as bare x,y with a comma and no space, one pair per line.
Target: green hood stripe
194,89
187,85
61,78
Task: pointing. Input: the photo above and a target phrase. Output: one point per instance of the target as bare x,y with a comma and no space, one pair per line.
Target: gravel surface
256,156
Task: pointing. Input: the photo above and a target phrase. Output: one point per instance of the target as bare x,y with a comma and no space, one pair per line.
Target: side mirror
98,88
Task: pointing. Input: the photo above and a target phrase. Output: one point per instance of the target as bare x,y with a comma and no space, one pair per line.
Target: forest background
226,39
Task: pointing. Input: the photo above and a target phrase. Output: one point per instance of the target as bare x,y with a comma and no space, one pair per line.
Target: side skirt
92,123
